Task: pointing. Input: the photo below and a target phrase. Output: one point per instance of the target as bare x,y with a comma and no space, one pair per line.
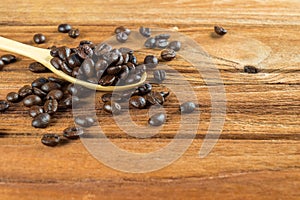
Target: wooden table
258,153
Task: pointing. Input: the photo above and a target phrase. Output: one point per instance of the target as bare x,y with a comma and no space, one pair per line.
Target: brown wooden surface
258,154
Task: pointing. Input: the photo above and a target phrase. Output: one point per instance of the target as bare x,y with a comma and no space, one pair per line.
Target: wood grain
258,153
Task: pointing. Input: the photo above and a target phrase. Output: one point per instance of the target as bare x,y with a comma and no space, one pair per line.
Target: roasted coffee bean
175,45
121,29
151,61
83,42
112,107
102,48
64,52
159,75
54,51
132,59
140,69
137,102
144,89
107,80
114,69
51,106
64,28
124,72
187,107
131,67
161,43
55,94
164,36
50,140
157,119
60,81
47,87
70,100
1,64
75,72
8,58
154,98
41,121
146,32
4,105
88,67
35,111
168,54
125,50
165,94
39,38
12,97
25,91
114,56
66,69
106,97
250,69
85,51
72,89
32,100
85,121
73,132
56,62
93,80
122,37
150,43
74,33
125,57
220,30
39,82
74,60
101,64
37,67
39,92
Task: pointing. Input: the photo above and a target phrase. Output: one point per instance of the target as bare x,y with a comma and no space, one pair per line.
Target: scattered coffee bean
220,30
146,32
50,140
4,105
47,87
154,98
51,106
35,111
151,61
73,132
144,89
165,94
137,102
159,75
39,82
32,100
37,67
64,28
84,121
71,100
122,37
121,29
168,54
12,97
150,43
250,69
74,60
112,108
41,121
39,38
25,91
157,119
55,94
74,33
39,92
187,107
175,45
161,43
8,58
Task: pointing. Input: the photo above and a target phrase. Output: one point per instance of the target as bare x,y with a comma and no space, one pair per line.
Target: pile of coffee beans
7,59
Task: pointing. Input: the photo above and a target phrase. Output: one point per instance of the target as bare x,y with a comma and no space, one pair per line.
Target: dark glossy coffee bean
12,97
175,45
107,80
64,52
39,92
47,87
154,98
55,94
73,132
137,102
4,105
187,107
168,54
250,69
37,67
32,100
60,81
51,106
74,33
66,69
1,64
25,91
114,56
39,82
54,51
114,69
64,28
88,67
121,29
35,111
39,38
84,121
101,64
133,78
161,43
85,51
41,121
164,36
150,43
50,140
72,89
122,37
146,32
151,61
131,67
124,72
74,60
8,58
70,100
125,57
144,89
157,119
220,30
102,48
112,107
159,75
56,62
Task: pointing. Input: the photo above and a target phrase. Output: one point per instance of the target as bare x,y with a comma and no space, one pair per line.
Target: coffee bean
55,94
165,94
70,100
114,69
157,119
146,32
112,107
133,78
88,67
74,60
37,67
64,28
168,54
32,100
1,64
39,92
73,132
151,61
121,29
220,30
47,87
35,111
51,106
67,70
132,59
159,75
150,43
101,64
50,140
137,102
56,62
102,48
41,121
107,80
74,33
124,72
12,97
39,38
8,58
54,51
175,45
85,51
60,81
187,107
4,105
125,50
64,52
85,121
144,89
154,98
39,82
161,43
122,37
25,91
140,69
164,36
250,69
75,72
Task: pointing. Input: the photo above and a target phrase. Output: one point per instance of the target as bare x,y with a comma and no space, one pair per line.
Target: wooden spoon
43,56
